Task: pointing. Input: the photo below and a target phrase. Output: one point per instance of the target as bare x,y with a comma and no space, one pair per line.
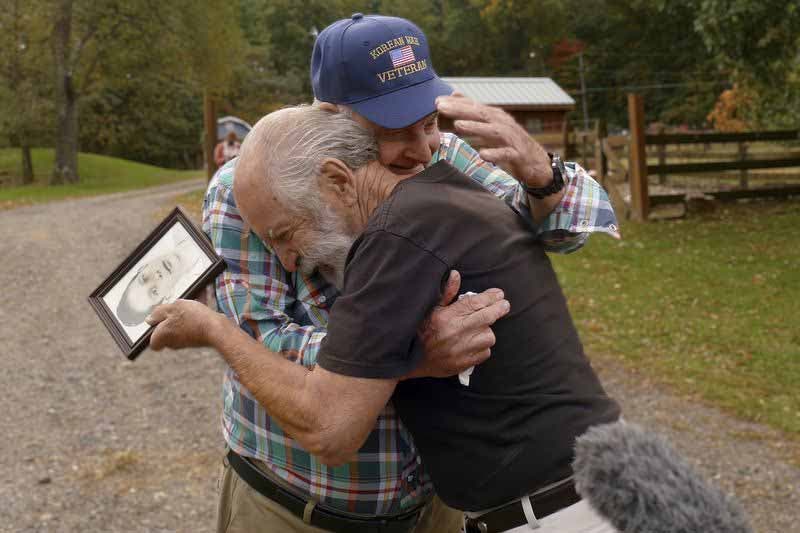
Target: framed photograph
175,261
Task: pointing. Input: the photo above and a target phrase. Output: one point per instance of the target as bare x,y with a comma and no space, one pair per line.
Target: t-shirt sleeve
391,284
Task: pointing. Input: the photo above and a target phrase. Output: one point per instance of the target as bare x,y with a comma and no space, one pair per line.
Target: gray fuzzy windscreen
640,484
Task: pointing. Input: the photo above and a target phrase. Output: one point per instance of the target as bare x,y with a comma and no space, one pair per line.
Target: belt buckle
473,525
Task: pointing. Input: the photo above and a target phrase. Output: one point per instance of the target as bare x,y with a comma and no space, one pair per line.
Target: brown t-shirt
513,428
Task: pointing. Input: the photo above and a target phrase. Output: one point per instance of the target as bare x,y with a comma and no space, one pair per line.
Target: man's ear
336,181
327,106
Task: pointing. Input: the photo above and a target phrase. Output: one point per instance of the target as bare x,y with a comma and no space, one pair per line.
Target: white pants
577,518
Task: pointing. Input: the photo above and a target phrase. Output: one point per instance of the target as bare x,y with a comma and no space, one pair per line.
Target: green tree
644,46
23,67
147,103
521,33
212,39
110,54
760,43
456,34
280,36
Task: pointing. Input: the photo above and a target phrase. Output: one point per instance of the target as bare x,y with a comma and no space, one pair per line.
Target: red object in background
563,51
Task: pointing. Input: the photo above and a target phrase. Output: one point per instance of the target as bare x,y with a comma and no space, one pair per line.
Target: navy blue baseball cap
379,66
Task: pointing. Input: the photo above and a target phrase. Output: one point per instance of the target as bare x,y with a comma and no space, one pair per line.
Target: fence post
743,172
637,164
598,152
662,157
603,147
585,148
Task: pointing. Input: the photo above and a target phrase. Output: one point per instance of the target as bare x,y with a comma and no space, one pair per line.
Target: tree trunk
18,136
66,165
27,164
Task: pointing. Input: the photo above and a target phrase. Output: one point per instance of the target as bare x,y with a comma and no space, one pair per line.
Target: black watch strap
558,182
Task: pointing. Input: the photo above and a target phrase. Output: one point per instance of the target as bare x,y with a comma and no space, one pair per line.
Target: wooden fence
639,169
617,171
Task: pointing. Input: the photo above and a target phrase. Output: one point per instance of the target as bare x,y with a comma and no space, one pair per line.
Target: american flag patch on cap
402,56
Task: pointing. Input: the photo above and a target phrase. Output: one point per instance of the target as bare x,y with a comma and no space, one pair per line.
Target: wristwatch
558,183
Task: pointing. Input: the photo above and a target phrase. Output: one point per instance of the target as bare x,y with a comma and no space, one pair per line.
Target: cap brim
405,106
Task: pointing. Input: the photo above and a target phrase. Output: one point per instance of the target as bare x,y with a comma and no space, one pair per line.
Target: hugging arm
330,415
563,221
261,297
371,344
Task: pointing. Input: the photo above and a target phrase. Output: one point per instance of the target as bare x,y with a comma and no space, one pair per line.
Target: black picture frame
132,347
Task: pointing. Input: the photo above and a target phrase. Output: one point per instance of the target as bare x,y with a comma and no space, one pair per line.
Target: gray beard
328,253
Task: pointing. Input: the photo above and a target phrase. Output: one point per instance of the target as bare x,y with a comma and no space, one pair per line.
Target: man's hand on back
457,335
502,139
505,143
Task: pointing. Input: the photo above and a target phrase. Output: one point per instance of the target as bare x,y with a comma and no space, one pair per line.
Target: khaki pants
244,510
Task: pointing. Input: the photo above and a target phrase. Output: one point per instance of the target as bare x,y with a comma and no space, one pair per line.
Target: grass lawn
99,175
709,305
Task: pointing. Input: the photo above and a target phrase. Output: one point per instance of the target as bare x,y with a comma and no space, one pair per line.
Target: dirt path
749,460
91,441
95,443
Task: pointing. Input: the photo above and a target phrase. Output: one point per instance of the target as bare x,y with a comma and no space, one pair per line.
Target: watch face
559,170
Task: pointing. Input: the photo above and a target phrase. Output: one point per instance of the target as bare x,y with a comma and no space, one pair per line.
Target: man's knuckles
479,340
489,314
485,299
488,339
473,303
480,357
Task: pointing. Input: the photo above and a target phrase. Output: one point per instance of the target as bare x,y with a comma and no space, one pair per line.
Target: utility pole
210,128
583,92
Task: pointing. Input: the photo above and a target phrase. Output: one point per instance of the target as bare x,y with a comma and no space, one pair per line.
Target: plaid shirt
288,313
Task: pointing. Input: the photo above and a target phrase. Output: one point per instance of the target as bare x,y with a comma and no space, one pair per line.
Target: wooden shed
539,104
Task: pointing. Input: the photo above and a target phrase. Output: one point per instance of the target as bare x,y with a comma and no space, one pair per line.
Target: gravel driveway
93,442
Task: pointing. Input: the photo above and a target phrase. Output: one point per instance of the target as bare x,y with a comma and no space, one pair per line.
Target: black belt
323,518
511,515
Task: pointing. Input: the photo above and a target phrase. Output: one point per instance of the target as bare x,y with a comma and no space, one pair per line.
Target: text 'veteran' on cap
379,66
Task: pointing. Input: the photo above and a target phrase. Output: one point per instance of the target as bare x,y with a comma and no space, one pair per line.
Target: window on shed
533,125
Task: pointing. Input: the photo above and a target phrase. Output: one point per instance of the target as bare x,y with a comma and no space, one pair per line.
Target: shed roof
514,92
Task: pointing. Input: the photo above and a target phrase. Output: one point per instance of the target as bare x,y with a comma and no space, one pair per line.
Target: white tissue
463,377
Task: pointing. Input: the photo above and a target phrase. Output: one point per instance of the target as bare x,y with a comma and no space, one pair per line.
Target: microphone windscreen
640,484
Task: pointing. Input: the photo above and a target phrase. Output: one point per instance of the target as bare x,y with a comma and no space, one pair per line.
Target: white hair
344,109
292,143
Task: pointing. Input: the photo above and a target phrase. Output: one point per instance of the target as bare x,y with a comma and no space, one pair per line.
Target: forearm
306,403
541,208
462,156
277,384
511,147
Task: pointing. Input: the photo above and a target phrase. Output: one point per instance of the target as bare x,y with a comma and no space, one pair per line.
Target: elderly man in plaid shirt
276,485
